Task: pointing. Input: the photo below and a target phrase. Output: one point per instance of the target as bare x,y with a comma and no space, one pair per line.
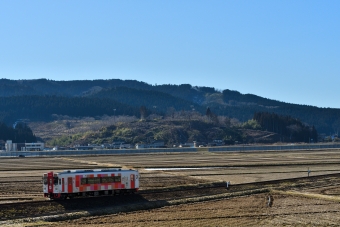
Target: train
89,182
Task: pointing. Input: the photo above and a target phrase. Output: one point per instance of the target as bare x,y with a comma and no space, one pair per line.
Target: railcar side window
98,180
113,179
45,180
60,181
117,179
110,179
104,180
55,180
83,181
90,180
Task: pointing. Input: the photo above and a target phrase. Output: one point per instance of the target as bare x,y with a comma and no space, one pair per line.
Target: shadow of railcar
86,203
84,206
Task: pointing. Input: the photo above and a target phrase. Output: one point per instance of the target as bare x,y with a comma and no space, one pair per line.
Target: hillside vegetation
41,100
172,132
21,133
180,128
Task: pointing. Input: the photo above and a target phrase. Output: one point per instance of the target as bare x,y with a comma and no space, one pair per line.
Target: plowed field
195,196
243,211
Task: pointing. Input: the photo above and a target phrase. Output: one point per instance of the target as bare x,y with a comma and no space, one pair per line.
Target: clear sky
287,50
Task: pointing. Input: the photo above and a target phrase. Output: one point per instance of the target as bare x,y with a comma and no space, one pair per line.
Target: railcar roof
95,171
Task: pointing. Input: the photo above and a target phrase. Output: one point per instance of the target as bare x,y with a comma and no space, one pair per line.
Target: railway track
16,210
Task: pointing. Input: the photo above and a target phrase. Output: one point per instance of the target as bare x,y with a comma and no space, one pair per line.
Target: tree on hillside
171,112
23,134
292,129
20,134
143,112
227,122
251,124
211,116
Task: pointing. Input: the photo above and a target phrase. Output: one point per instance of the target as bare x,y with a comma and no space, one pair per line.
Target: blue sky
283,50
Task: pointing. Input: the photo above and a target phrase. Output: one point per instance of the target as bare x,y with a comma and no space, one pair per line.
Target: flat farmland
234,167
298,200
287,210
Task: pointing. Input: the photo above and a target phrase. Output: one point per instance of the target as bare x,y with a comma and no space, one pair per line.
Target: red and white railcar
71,183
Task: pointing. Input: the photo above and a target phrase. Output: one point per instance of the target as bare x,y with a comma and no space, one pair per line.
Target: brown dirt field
310,205
243,211
238,168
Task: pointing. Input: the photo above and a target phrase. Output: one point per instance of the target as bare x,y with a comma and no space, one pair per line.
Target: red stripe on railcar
69,185
50,182
77,181
132,180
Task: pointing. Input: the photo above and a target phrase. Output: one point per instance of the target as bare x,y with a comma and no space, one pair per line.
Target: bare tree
171,112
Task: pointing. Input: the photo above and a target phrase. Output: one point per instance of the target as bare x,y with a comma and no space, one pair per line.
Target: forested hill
21,133
42,108
326,120
41,98
87,87
156,101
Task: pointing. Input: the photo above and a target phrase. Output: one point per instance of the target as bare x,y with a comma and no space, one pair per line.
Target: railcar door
69,185
125,181
132,181
50,182
62,184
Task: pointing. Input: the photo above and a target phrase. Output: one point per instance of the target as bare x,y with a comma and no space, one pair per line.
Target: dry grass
305,204
287,210
65,125
308,195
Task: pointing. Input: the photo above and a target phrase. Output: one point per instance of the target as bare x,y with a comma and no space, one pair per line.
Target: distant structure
33,147
189,144
216,142
10,146
84,148
117,144
154,144
141,146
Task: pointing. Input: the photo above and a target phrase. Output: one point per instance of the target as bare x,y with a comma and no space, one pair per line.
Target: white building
141,146
9,146
33,147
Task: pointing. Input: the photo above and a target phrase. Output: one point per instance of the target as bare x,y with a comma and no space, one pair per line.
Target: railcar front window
55,180
45,180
